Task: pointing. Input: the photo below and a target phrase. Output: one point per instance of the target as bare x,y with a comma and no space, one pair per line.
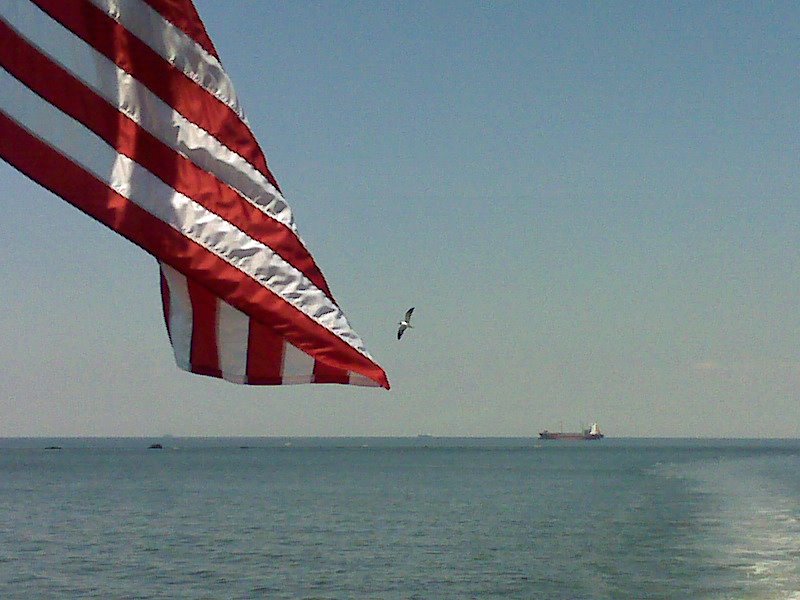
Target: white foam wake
749,522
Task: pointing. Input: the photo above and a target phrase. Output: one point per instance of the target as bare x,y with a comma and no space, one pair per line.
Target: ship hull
549,435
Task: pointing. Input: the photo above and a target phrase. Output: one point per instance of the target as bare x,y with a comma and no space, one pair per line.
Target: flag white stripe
179,317
359,379
147,110
233,329
298,367
174,46
141,187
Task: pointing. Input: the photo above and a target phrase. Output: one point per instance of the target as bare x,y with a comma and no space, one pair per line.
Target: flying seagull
405,323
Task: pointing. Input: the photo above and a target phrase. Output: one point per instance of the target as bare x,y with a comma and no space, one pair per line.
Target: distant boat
155,447
593,433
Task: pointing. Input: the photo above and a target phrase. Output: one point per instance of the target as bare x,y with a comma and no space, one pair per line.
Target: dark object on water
155,447
53,448
593,433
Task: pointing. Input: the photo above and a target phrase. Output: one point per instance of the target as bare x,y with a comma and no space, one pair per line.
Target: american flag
123,109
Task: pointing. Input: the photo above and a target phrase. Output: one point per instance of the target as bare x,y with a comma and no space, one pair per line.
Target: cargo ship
593,433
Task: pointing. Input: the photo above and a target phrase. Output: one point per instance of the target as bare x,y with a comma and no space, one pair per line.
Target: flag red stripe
324,373
55,172
204,353
136,58
184,16
264,354
61,89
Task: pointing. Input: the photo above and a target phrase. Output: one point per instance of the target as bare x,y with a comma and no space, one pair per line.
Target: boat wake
748,524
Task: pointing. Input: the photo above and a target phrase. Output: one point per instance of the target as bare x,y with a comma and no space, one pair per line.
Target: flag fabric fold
122,108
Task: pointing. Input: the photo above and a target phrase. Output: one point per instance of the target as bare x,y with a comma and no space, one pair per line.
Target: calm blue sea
399,518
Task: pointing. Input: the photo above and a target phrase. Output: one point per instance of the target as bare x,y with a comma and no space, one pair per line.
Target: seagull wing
408,314
400,331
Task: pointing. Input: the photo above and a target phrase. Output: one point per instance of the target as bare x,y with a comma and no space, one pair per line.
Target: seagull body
405,323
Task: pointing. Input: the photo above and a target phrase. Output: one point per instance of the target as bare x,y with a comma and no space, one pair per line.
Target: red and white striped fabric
122,108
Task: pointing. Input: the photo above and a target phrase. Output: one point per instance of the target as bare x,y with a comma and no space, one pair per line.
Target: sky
594,208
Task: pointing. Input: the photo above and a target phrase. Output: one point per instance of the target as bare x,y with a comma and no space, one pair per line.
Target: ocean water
399,518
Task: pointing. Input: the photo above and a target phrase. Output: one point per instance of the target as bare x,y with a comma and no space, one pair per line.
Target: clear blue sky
594,208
